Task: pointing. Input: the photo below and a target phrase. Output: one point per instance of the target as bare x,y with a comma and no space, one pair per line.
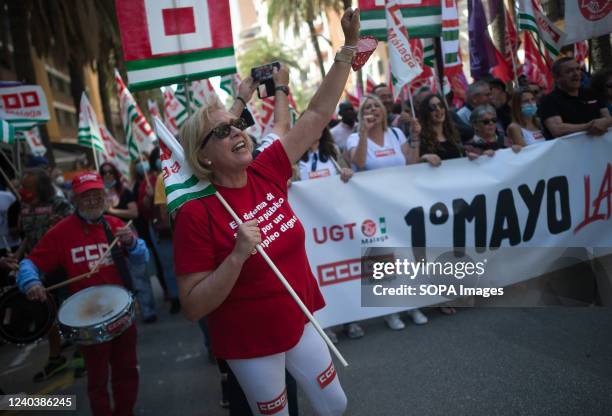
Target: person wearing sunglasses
440,139
254,323
487,138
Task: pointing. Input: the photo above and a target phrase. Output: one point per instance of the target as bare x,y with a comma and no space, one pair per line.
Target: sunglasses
488,121
224,129
435,106
107,172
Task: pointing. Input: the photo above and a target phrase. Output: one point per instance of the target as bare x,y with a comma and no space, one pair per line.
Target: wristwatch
282,88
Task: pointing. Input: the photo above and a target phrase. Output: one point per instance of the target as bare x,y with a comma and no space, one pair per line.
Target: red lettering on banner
605,193
318,174
274,405
178,21
384,153
342,271
336,233
327,376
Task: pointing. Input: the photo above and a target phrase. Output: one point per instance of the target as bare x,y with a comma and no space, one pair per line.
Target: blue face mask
111,184
158,164
142,167
529,110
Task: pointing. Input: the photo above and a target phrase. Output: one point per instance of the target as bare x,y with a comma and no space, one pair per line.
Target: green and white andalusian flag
229,84
429,52
422,18
450,36
138,133
7,133
175,114
532,18
179,181
404,65
168,41
201,94
89,134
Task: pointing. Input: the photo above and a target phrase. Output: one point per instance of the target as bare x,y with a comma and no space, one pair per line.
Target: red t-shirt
259,317
76,246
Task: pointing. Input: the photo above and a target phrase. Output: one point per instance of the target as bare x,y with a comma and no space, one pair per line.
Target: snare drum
97,314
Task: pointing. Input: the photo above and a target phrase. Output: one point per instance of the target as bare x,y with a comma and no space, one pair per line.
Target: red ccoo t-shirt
259,317
76,246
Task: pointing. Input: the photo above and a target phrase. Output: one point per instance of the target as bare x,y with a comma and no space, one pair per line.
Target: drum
23,321
96,314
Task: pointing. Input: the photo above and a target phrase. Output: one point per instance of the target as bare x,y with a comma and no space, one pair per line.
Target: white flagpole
95,156
294,295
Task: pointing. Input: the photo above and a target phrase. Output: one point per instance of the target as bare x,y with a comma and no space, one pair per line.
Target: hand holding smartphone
262,75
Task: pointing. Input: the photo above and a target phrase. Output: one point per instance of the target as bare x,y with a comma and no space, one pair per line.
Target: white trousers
263,378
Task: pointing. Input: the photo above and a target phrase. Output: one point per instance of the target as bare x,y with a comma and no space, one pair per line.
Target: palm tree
296,12
263,52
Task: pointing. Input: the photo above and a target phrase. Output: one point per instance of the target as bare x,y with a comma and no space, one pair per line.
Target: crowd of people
210,273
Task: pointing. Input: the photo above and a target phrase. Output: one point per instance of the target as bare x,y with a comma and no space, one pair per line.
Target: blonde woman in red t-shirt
254,323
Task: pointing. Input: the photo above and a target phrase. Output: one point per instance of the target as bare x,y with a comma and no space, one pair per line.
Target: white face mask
59,181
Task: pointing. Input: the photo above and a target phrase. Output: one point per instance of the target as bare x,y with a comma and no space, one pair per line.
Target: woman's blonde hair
191,135
380,104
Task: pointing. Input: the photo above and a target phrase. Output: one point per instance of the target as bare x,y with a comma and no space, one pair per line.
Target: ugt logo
372,232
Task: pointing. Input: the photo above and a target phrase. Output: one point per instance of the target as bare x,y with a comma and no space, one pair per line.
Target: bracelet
239,98
282,88
345,56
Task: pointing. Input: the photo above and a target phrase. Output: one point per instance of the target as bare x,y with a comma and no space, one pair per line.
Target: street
546,361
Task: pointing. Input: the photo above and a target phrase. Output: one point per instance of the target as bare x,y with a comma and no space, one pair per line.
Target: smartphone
263,76
264,72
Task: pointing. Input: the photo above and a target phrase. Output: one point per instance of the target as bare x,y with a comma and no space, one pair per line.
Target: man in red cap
76,244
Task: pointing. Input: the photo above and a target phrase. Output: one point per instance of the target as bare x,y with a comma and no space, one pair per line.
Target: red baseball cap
86,181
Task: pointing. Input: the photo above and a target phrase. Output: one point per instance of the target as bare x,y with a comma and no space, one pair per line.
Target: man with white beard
76,244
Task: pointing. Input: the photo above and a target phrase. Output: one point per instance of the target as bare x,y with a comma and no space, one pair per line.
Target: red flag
352,98
581,51
370,84
535,68
503,69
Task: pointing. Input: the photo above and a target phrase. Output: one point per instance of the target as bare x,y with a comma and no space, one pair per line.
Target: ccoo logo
594,9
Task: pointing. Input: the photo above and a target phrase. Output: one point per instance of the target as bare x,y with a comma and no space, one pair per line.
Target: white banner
586,19
535,198
23,106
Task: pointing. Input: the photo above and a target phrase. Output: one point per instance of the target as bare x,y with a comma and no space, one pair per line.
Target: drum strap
118,257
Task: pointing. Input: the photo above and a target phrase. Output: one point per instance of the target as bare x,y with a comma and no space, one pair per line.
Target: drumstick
89,273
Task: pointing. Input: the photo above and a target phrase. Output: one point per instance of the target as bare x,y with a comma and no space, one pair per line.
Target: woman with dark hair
318,161
525,128
439,138
122,202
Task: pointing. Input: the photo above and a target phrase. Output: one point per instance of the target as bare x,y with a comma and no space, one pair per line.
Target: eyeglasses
487,121
107,172
436,106
224,129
